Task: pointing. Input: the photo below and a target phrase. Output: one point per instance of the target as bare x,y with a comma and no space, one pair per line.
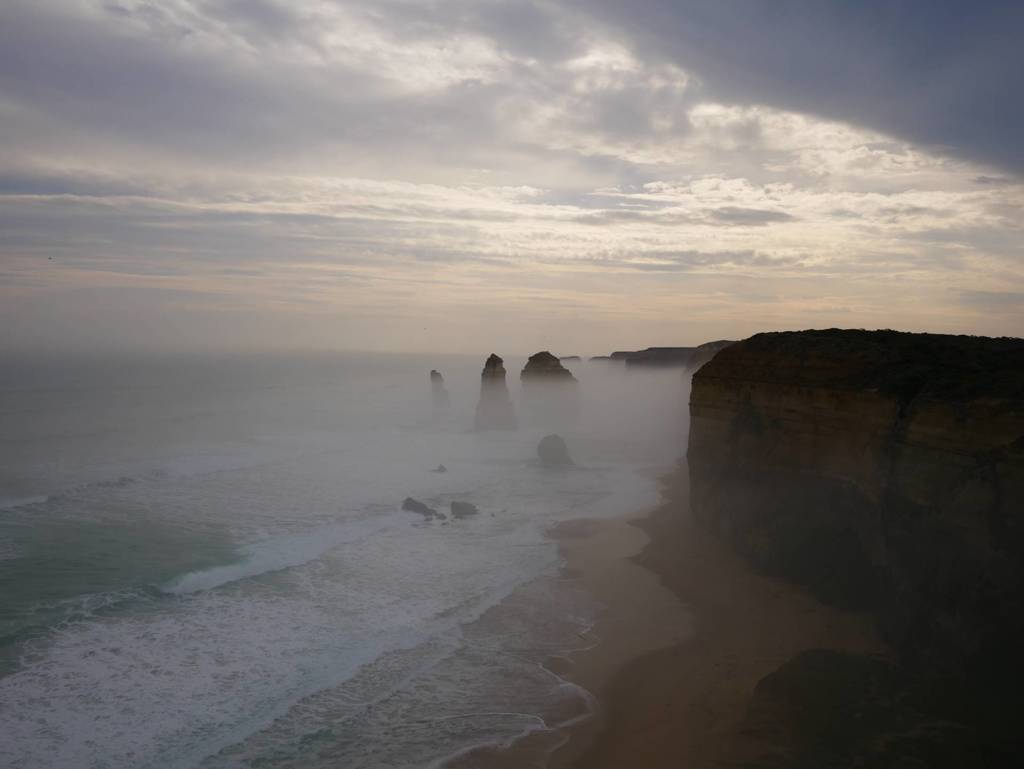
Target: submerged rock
438,391
440,469
463,509
494,411
553,452
415,506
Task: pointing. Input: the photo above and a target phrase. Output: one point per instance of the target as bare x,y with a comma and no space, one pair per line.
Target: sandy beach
688,631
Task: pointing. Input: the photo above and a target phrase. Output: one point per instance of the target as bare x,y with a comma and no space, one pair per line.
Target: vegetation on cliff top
902,364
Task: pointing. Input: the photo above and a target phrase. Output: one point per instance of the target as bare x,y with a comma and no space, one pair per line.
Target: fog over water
205,563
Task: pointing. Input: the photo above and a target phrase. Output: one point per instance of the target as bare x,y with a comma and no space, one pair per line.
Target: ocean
204,561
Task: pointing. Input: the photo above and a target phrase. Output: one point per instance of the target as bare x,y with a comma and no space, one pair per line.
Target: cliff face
705,352
883,471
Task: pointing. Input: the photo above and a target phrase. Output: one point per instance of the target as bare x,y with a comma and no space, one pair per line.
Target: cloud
997,181
993,301
344,160
749,217
926,71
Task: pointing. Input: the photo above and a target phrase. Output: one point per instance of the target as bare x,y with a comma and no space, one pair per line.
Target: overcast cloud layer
481,174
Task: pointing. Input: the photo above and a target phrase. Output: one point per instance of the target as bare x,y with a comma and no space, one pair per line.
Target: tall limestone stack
494,411
438,391
550,391
884,471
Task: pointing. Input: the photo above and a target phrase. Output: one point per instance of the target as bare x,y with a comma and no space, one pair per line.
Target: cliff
705,352
655,356
883,471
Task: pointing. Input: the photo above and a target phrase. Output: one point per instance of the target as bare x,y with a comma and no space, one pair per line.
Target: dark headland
847,534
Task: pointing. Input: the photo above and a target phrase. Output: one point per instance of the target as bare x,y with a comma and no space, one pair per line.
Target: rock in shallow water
463,509
415,506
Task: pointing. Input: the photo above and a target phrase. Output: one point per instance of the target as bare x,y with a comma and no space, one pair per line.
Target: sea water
204,561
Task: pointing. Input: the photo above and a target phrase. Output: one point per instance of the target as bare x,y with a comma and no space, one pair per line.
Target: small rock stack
438,391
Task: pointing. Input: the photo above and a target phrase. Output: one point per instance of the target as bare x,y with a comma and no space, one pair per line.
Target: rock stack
494,411
438,391
553,452
550,391
545,367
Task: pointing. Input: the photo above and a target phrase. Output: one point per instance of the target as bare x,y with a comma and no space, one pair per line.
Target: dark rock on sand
553,452
463,509
494,411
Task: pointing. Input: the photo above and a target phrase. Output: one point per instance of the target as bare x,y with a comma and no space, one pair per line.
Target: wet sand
641,615
688,631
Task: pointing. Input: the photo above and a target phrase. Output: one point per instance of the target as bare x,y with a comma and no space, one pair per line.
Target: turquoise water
203,561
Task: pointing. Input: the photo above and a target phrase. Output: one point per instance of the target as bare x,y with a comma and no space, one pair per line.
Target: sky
507,175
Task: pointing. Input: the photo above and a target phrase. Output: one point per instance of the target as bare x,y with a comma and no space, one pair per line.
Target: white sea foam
293,645
283,553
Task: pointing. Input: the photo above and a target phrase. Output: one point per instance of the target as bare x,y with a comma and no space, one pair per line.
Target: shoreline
688,631
597,555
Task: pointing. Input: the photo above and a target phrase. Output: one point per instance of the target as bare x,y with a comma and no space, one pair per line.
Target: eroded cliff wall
884,471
